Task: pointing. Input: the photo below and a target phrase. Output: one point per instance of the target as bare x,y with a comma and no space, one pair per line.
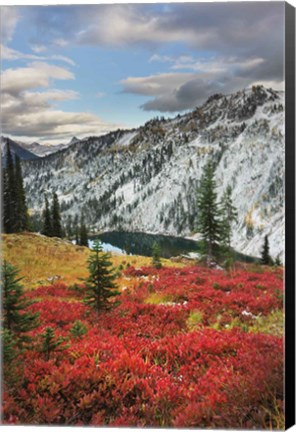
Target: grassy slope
40,258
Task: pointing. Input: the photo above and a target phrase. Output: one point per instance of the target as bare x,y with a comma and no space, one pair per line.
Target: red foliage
139,365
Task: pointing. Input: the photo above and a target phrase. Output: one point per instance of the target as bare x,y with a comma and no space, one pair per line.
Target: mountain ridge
34,150
146,179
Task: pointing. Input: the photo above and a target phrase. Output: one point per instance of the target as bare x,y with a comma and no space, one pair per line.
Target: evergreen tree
12,369
69,227
156,251
21,222
35,222
15,212
83,241
56,217
100,286
265,257
78,329
47,222
229,215
9,346
6,205
9,194
77,239
209,224
15,318
51,342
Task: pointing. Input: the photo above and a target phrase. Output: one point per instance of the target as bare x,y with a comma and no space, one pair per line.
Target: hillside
43,260
147,179
188,347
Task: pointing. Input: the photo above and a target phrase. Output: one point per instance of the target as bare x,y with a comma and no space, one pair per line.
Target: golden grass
41,258
194,320
156,298
270,324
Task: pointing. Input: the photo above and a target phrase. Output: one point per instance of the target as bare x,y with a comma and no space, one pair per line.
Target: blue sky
86,70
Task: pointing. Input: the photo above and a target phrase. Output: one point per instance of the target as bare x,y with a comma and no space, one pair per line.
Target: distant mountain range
32,151
147,179
16,149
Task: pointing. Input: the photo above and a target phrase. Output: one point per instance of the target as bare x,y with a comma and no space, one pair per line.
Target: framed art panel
148,215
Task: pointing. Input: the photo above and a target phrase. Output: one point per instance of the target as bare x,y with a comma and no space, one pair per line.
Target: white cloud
38,48
37,74
155,84
12,54
216,64
124,25
63,59
9,17
173,92
34,114
60,42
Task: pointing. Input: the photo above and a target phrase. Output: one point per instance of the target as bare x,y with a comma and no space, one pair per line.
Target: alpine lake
140,243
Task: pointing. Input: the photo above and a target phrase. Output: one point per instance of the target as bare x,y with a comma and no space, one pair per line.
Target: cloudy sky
85,70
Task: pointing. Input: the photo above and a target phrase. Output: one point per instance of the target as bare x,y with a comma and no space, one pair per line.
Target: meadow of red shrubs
188,359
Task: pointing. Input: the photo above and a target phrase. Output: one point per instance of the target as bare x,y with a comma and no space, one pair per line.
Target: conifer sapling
156,251
265,257
100,286
15,317
51,343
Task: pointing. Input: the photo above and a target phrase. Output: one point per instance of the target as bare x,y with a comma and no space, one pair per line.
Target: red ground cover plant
147,364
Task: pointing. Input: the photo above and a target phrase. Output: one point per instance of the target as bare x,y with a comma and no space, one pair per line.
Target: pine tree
100,286
229,215
83,241
209,223
69,227
265,257
56,217
47,222
6,205
78,329
9,194
77,239
51,343
15,318
156,251
15,212
21,221
12,368
9,346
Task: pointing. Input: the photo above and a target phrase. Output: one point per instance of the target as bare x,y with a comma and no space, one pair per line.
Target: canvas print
143,172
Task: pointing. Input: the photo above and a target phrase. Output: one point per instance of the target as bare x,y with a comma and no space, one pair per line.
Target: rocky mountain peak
146,179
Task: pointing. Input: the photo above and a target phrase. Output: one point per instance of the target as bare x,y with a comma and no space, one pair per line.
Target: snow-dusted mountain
147,179
33,151
16,148
42,150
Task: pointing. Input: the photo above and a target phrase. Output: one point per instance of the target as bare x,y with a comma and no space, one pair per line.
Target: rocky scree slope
147,179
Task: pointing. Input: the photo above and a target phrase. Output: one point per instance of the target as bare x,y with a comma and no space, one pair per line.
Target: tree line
15,216
52,225
15,211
